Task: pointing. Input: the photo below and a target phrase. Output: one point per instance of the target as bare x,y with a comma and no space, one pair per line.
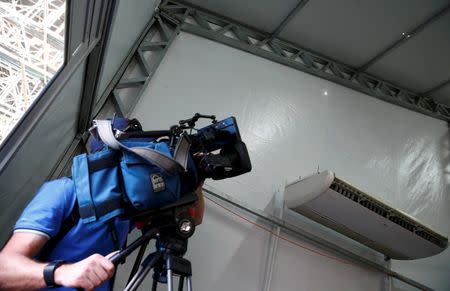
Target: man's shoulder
52,203
65,182
58,188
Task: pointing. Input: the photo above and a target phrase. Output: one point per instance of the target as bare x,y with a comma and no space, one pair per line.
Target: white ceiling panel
265,15
353,31
421,63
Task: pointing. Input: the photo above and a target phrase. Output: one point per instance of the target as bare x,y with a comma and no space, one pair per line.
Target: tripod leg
140,276
155,284
138,260
169,280
180,283
169,272
189,283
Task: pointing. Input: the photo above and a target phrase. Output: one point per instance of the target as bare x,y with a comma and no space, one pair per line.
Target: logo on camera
158,183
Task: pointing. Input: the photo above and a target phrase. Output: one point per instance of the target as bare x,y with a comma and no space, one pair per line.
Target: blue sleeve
50,206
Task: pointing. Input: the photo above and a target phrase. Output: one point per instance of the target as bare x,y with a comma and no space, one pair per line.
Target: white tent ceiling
404,42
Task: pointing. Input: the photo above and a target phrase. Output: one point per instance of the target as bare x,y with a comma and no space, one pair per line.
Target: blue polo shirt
44,215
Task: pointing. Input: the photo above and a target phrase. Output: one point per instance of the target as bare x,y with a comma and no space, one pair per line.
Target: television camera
215,151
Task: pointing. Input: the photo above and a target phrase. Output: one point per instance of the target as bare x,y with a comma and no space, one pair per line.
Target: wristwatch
49,273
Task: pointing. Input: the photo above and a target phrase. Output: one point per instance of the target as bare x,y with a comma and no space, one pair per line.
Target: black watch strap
49,273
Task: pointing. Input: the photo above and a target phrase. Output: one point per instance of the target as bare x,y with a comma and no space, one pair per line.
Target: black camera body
217,150
223,137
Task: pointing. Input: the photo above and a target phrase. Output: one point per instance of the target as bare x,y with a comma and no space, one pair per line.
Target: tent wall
294,123
32,164
41,142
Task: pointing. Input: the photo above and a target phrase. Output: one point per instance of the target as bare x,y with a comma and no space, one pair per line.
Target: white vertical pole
278,209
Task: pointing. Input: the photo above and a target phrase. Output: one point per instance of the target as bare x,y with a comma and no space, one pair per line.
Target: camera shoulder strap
172,165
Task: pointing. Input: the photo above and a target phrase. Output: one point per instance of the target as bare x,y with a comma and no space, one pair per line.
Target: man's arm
18,271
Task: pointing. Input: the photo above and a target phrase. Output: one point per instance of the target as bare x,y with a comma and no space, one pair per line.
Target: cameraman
79,259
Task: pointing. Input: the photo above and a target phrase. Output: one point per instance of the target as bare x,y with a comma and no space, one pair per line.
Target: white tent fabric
294,123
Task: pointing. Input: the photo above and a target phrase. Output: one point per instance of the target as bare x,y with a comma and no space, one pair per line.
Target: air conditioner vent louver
346,209
348,191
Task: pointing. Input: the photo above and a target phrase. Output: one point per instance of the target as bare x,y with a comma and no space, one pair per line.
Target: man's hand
87,274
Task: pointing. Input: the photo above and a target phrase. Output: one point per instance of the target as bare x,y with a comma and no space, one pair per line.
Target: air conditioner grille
393,215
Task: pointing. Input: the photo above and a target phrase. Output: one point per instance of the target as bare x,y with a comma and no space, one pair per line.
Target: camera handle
191,121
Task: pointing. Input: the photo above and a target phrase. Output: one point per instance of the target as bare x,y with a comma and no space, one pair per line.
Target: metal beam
288,18
118,75
157,39
133,82
277,50
310,237
278,210
16,63
168,30
404,38
117,103
95,62
65,160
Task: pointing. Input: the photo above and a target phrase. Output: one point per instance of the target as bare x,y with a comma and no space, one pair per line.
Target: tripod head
171,226
173,220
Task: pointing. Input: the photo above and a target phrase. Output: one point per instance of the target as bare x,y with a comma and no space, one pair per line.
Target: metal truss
34,34
136,75
16,91
31,52
269,46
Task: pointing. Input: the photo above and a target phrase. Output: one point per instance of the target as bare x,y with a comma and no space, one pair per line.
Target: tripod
166,262
171,228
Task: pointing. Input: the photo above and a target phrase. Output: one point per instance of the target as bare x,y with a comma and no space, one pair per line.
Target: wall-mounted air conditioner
348,210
